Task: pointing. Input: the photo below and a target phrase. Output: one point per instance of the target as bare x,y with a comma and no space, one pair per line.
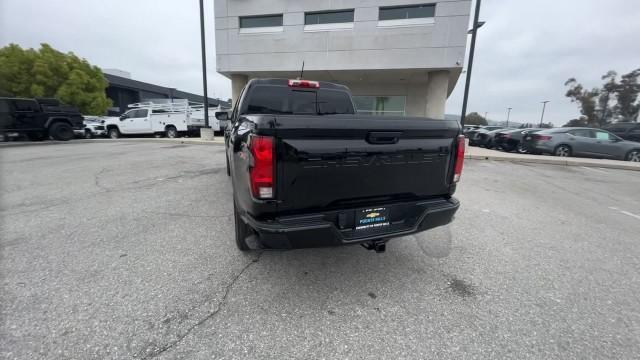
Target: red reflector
457,169
541,137
304,84
261,173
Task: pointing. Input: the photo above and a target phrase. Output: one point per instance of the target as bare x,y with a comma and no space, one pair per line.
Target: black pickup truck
307,171
38,119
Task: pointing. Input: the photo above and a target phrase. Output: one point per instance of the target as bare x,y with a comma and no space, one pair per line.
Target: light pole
473,32
508,114
485,114
204,66
544,105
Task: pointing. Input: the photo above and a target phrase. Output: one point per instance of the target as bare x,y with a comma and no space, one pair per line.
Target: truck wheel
114,133
61,131
88,134
241,230
172,133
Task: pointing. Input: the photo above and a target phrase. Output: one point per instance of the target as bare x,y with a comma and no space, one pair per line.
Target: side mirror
222,116
122,117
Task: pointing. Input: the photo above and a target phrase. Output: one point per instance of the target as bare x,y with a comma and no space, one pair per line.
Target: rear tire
562,151
61,131
633,155
88,134
113,133
521,149
242,230
171,132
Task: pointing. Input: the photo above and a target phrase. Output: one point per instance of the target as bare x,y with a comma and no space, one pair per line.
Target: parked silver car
586,142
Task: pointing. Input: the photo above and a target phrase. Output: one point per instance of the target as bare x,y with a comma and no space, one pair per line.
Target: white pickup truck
171,119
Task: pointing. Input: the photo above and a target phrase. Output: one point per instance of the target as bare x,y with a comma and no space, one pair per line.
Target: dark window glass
260,21
4,106
582,133
329,17
268,100
303,102
265,99
25,105
334,102
407,12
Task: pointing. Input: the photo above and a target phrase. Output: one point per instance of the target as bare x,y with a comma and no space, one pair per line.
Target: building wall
421,63
366,46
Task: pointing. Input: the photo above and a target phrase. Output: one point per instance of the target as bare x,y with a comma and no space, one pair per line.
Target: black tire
88,134
521,149
228,169
633,155
61,131
113,133
242,230
562,150
171,132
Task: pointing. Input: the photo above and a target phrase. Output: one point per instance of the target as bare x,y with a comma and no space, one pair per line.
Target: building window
261,24
328,20
412,15
380,105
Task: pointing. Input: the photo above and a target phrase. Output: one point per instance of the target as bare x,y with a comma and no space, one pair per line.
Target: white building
397,56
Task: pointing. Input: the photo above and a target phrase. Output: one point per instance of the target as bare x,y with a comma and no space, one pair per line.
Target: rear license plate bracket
372,218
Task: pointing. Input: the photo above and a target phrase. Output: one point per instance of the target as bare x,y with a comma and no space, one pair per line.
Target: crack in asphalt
159,351
189,215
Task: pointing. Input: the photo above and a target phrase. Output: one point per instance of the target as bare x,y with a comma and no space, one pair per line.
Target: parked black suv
38,119
626,130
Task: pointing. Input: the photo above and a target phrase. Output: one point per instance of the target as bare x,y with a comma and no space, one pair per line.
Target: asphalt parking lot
125,250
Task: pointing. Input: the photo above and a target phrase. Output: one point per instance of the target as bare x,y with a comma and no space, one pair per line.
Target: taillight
261,171
457,169
304,84
541,137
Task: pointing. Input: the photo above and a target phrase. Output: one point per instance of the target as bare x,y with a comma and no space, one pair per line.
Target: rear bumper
541,147
335,228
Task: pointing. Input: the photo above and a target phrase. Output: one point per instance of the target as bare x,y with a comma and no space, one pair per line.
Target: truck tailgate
342,161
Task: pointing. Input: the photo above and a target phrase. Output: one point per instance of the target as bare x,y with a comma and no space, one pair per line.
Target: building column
437,89
238,82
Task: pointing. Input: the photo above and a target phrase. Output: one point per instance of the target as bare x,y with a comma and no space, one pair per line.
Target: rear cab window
277,99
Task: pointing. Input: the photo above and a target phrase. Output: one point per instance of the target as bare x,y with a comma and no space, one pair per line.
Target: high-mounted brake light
261,171
304,84
457,167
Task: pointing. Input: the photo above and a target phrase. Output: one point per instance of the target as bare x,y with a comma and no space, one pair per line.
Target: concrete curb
608,164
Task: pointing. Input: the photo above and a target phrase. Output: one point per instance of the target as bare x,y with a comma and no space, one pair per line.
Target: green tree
47,72
627,91
606,97
586,100
474,119
581,122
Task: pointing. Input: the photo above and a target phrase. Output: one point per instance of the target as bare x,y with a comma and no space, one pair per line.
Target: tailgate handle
386,137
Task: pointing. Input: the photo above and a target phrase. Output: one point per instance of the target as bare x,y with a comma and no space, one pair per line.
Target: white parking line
592,169
625,212
630,214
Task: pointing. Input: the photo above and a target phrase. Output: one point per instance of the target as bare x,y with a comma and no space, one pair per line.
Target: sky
524,53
